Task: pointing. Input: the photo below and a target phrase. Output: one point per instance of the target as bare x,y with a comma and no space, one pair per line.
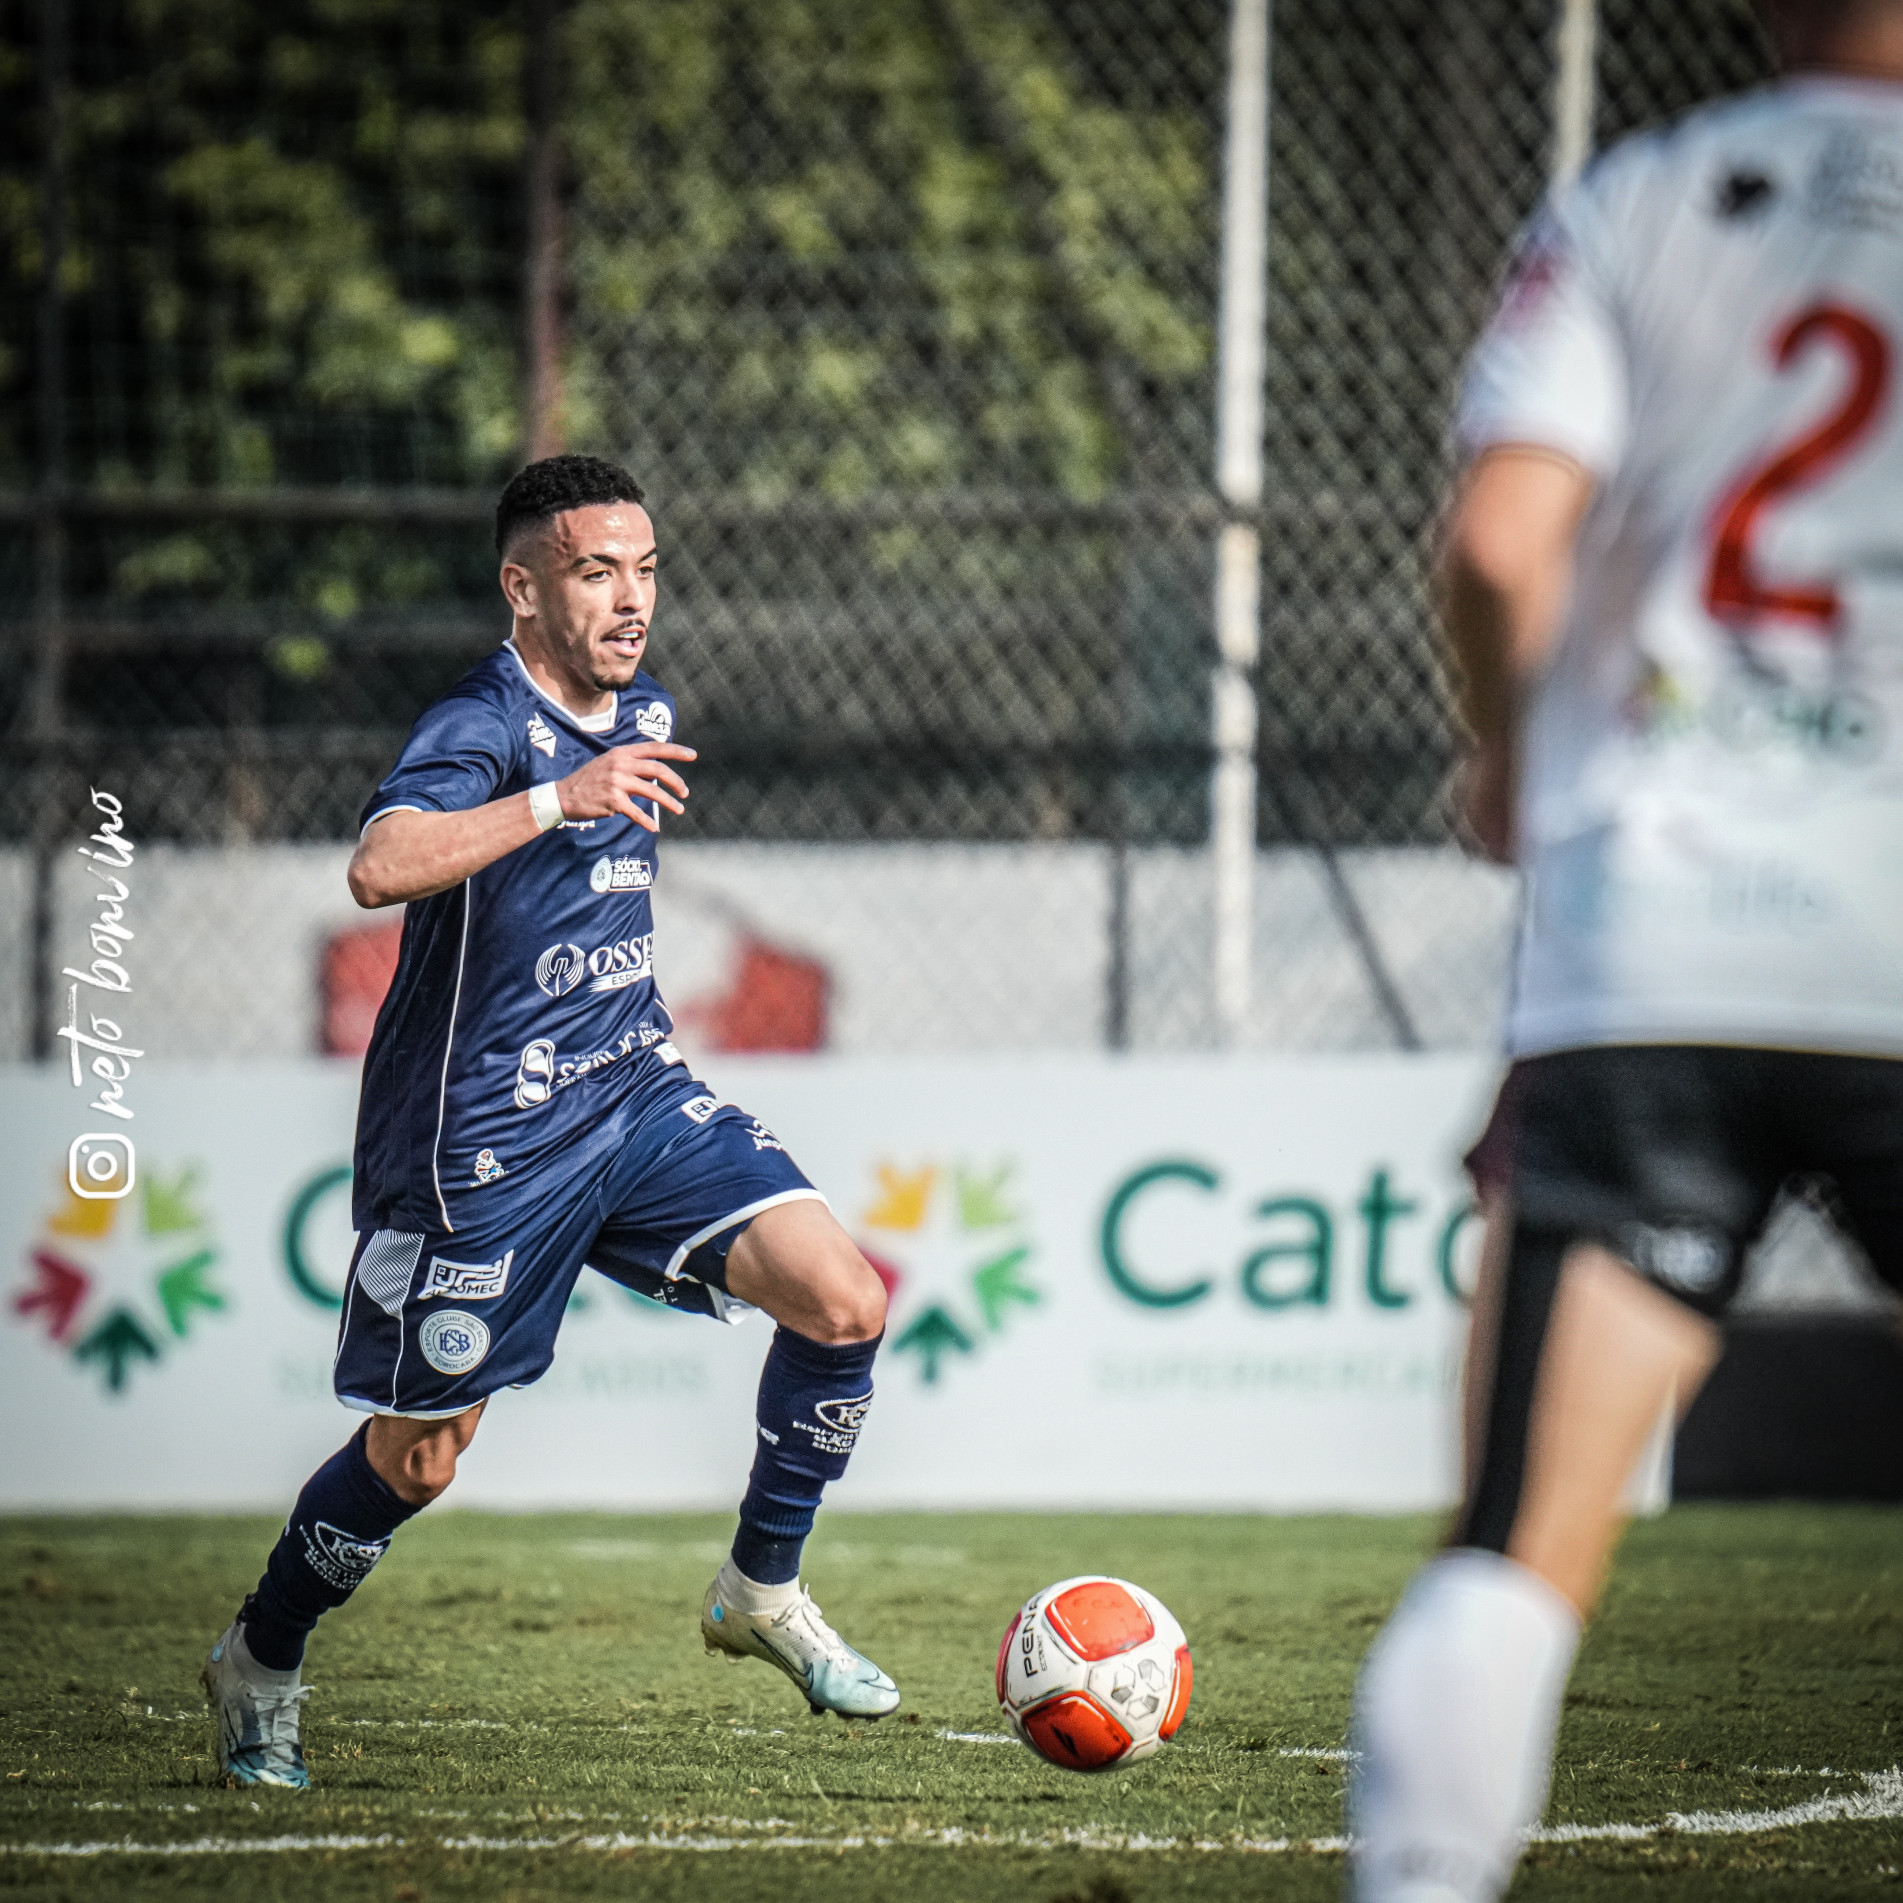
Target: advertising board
1114,1283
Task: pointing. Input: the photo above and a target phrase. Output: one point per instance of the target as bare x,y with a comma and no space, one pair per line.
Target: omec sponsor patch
465,1281
655,722
453,1342
338,1558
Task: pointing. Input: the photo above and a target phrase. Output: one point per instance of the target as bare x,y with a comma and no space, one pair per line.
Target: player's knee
853,1307
427,1468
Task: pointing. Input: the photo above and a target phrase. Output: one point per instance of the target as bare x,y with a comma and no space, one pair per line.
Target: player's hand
617,781
1484,795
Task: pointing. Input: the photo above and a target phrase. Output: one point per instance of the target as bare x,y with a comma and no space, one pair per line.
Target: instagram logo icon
101,1166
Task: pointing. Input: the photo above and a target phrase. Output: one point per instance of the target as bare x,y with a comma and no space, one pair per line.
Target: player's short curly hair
556,483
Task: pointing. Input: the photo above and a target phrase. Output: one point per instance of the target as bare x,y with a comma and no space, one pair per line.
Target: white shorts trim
677,1261
361,1406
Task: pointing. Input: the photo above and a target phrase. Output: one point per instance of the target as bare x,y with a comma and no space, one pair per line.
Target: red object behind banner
358,966
777,1002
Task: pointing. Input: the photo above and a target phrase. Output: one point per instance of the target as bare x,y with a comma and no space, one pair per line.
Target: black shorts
1672,1157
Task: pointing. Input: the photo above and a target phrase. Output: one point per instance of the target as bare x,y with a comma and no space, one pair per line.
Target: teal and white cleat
789,1631
256,1722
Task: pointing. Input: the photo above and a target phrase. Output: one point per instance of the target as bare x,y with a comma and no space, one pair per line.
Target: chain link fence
906,316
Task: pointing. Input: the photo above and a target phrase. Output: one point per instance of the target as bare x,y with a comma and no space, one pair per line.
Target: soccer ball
1094,1672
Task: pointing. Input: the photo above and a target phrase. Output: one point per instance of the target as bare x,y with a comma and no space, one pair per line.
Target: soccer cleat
257,1725
797,1639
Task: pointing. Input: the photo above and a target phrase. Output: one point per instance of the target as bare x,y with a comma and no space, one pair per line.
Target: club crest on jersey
488,1170
338,1558
453,1342
559,969
541,735
466,1281
620,875
655,721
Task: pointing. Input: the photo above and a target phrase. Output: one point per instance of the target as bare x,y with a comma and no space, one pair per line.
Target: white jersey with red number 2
1711,811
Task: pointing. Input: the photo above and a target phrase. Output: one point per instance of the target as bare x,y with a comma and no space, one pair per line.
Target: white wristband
545,802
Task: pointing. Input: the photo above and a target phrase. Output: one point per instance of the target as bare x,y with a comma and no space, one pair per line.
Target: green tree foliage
823,246
812,243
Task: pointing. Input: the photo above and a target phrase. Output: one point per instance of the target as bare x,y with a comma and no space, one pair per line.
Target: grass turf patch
519,1706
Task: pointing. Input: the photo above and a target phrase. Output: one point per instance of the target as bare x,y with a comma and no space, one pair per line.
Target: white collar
588,723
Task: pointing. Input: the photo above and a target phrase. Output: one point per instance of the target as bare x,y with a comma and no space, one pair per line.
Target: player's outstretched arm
1503,584
410,855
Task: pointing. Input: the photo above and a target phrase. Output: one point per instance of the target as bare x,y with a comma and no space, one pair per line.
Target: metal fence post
1574,92
1241,355
45,714
542,254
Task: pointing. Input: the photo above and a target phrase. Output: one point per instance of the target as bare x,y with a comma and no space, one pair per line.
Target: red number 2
1734,591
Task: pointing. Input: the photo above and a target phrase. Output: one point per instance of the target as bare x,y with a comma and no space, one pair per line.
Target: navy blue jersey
523,1018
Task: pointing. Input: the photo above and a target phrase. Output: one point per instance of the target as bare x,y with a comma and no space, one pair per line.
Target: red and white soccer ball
1094,1672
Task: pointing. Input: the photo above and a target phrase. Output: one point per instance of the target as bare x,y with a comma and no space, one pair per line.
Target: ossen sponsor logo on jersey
612,967
620,875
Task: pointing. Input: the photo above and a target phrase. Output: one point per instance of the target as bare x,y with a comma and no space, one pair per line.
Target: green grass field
519,1707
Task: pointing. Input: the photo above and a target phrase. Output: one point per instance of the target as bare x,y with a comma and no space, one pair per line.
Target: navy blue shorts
434,1323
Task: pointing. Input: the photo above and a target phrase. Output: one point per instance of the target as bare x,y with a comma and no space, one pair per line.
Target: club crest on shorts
338,1558
655,722
465,1281
453,1342
487,1168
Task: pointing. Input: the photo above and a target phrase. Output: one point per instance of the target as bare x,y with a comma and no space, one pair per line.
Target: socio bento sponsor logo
954,1245
122,1283
628,874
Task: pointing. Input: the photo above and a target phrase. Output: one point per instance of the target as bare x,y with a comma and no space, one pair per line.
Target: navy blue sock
813,1399
338,1530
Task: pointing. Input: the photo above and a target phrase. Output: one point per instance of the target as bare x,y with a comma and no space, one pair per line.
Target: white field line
1881,1800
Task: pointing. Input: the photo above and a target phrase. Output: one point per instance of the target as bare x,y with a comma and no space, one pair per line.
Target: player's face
593,589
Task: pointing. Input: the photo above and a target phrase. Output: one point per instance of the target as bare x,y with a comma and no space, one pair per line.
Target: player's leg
432,1325
725,1217
340,1526
1459,1698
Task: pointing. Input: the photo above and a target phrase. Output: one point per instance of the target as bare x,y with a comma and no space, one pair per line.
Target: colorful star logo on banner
958,1241
118,1285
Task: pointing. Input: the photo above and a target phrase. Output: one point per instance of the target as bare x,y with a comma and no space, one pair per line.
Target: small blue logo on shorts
452,1341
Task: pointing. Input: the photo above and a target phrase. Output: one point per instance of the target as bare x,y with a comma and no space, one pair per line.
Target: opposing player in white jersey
1674,586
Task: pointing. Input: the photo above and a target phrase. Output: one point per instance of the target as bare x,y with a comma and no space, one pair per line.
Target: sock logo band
840,1422
338,1558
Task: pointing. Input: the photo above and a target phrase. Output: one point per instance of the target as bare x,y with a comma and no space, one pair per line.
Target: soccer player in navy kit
524,1114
